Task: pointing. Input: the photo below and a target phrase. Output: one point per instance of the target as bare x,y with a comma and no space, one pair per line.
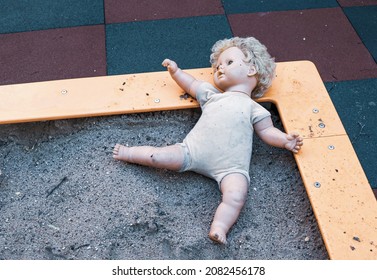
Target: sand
62,196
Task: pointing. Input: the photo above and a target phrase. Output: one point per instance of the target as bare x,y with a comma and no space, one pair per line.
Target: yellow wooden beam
86,97
341,197
303,102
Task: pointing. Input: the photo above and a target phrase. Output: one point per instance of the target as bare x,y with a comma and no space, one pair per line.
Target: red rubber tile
137,10
324,36
351,3
52,54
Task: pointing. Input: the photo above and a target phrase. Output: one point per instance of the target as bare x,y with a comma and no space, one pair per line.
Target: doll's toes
218,238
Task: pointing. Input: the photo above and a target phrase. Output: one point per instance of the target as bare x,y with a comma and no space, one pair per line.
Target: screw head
64,91
322,125
317,184
331,147
157,100
315,111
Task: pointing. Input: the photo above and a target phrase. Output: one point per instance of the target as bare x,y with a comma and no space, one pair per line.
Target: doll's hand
171,65
294,142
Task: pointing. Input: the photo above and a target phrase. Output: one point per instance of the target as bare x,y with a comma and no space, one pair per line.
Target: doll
220,144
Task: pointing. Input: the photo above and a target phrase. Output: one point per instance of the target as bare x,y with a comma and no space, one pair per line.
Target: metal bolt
315,110
317,184
157,100
331,147
321,125
64,91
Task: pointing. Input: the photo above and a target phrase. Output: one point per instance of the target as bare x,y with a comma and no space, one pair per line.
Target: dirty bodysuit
221,141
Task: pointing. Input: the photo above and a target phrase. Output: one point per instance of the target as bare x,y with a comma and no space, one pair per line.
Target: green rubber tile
247,6
141,46
356,103
351,3
364,20
25,15
118,11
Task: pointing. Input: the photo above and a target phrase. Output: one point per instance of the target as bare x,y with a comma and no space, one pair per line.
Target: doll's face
231,69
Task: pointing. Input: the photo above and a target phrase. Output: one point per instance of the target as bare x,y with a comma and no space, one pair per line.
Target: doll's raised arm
187,82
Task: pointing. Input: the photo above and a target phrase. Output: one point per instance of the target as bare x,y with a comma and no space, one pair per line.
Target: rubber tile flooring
58,39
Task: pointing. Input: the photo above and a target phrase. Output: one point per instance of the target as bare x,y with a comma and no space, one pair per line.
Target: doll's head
255,55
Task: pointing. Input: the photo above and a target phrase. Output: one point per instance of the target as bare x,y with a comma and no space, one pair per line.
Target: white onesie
221,141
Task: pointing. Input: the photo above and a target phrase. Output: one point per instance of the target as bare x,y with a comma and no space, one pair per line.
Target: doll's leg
234,190
169,157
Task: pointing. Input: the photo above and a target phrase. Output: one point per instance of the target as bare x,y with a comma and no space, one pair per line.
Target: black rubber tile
364,20
141,46
247,6
25,15
52,54
356,103
118,11
350,3
324,36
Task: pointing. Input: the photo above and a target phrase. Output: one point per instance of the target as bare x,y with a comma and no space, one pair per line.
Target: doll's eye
230,62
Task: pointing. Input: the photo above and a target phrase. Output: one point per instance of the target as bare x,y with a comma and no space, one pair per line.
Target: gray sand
62,196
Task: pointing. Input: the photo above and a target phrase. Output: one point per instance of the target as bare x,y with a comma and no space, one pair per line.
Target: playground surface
62,196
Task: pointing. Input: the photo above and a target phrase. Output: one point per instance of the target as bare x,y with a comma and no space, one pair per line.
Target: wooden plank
99,96
135,93
303,102
337,187
341,197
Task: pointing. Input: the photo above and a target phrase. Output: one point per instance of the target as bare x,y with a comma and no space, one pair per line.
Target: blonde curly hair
255,54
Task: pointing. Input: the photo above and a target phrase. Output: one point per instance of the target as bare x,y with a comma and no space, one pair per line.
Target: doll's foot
217,236
120,152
